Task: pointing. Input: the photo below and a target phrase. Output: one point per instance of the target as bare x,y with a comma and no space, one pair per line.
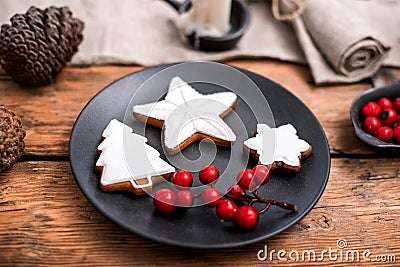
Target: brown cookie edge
127,186
280,164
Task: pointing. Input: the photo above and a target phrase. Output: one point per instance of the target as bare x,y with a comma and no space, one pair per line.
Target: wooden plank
49,112
45,220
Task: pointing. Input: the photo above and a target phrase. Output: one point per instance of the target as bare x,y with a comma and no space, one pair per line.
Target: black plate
199,227
373,94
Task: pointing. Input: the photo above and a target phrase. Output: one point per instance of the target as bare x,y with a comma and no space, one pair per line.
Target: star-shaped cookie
278,147
187,116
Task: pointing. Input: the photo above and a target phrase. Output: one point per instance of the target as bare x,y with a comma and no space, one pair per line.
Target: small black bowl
373,94
240,19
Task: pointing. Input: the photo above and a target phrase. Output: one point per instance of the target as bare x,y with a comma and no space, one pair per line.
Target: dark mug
239,22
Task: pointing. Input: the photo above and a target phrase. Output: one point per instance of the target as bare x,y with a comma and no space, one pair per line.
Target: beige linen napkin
142,32
346,41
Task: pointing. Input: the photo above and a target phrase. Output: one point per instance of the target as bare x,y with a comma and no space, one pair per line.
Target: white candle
206,18
219,14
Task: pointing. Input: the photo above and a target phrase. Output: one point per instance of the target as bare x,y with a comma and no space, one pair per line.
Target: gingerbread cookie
187,116
278,147
145,166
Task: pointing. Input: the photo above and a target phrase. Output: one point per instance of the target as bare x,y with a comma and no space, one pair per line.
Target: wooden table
46,220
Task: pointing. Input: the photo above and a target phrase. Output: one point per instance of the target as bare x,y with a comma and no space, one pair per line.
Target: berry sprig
233,194
382,120
237,206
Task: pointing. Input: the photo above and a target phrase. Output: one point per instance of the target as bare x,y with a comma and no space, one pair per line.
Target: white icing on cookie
277,144
120,144
186,112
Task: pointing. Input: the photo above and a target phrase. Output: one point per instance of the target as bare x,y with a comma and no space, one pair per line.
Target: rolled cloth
343,41
345,38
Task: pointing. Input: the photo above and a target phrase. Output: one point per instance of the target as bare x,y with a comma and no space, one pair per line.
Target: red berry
371,124
244,178
236,191
226,209
182,178
384,103
371,109
208,174
163,200
396,133
384,133
210,197
261,173
396,104
184,199
388,117
246,217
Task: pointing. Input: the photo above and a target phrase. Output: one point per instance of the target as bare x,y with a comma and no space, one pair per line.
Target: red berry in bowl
396,133
236,191
371,109
244,178
388,117
210,197
226,209
396,104
384,103
246,217
384,133
164,200
208,174
182,178
184,199
371,124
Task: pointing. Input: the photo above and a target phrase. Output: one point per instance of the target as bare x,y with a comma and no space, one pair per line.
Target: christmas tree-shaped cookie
126,162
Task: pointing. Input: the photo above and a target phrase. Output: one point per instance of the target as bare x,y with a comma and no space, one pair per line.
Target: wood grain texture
45,220
49,112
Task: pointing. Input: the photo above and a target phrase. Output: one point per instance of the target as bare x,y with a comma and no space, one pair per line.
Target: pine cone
38,44
11,138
